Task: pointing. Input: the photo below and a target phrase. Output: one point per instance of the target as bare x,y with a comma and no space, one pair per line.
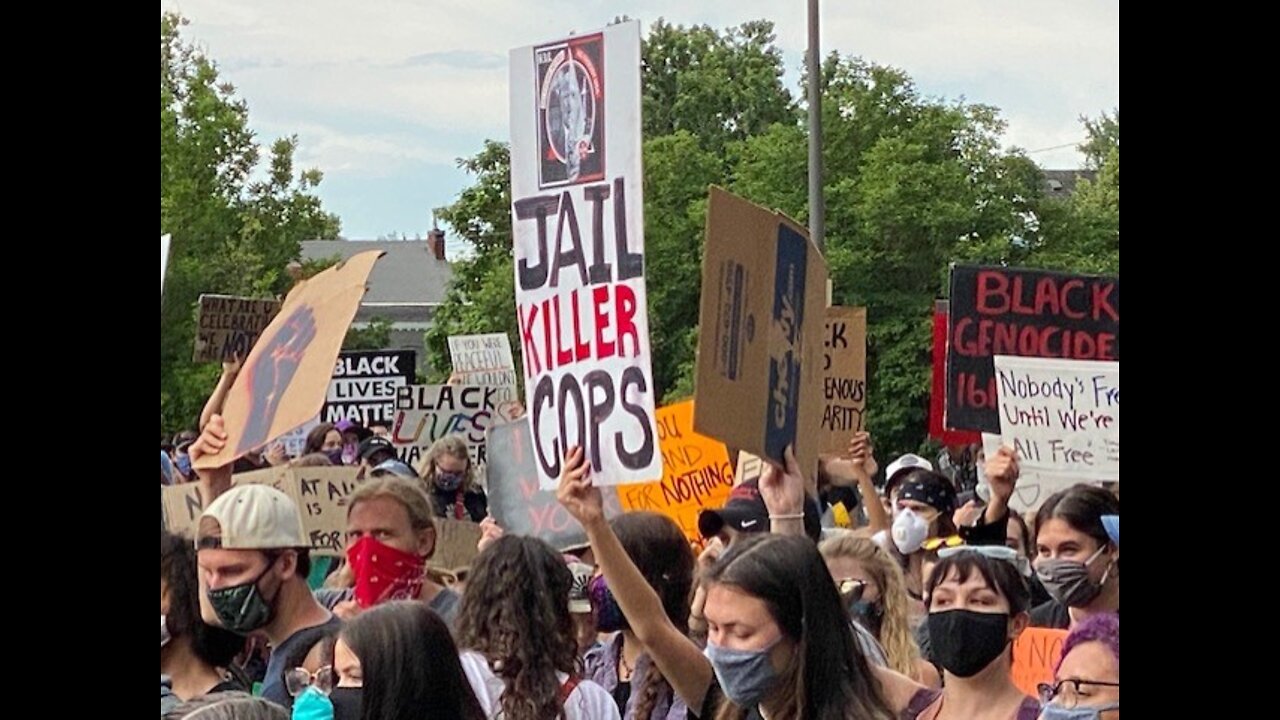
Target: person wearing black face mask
451,480
977,603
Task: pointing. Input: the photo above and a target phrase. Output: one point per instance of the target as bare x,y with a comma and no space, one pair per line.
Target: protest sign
1035,653
696,473
320,494
1029,313
759,372
364,385
1062,417
426,413
938,394
182,507
455,543
844,378
284,380
516,500
1033,487
578,235
229,326
486,360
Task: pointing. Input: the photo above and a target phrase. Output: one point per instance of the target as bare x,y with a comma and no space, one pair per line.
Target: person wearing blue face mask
451,480
779,638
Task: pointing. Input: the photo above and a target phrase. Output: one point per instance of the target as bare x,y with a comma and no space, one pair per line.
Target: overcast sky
384,95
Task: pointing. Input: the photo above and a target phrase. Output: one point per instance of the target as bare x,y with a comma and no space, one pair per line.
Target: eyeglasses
297,680
934,543
851,588
1066,693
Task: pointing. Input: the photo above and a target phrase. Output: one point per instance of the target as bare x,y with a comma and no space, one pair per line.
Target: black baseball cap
745,511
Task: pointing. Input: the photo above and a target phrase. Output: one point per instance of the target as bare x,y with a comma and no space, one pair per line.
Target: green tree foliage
912,184
235,225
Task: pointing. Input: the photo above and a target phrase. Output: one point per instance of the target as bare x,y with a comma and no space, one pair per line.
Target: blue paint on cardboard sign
784,355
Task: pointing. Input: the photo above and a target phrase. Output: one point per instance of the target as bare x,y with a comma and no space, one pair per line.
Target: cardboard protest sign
364,385
426,413
228,326
1029,313
578,233
1061,416
455,543
1035,652
182,507
1033,487
164,260
321,495
696,473
844,378
516,500
938,394
284,380
487,360
759,381
319,492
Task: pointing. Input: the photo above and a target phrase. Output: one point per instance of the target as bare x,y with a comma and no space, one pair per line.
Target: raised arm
680,660
213,406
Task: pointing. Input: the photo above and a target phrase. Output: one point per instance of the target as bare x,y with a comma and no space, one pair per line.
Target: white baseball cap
906,462
256,517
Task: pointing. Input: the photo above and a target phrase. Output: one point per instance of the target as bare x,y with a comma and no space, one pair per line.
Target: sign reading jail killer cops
844,377
486,360
1029,313
696,473
516,499
426,413
759,381
1061,416
319,492
578,233
364,385
229,326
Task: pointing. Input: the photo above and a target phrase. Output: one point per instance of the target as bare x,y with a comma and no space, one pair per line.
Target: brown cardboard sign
455,543
759,377
844,377
229,326
284,381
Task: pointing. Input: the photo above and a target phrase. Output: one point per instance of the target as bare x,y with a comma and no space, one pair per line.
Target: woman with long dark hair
780,643
660,551
1075,559
401,661
519,649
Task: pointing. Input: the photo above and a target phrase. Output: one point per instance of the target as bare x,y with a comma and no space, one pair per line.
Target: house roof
406,278
1062,183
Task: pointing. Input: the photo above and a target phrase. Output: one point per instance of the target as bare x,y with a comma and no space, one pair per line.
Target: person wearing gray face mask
1076,561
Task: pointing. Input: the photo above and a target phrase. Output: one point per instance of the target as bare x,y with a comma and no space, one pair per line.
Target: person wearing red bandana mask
391,534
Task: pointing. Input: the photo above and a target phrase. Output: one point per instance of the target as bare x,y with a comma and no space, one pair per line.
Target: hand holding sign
783,490
576,493
490,533
861,453
1002,473
213,481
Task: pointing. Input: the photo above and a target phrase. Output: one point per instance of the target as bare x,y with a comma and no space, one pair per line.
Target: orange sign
696,473
286,376
1035,653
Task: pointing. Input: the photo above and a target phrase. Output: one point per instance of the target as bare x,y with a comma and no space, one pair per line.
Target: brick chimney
435,240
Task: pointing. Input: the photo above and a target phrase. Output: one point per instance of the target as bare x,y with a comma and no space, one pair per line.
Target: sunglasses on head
950,541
